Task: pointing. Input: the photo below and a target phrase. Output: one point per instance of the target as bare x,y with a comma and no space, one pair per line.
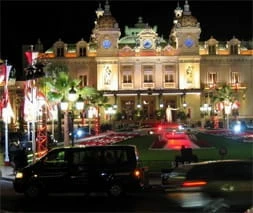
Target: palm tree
226,98
58,90
99,100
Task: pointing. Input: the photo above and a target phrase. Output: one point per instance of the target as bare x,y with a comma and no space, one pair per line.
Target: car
202,183
82,169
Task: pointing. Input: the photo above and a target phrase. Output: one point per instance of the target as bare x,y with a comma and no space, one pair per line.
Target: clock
107,43
147,43
188,42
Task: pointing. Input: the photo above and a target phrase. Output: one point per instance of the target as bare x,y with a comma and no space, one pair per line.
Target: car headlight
19,175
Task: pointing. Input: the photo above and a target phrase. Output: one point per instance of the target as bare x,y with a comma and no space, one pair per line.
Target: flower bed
108,139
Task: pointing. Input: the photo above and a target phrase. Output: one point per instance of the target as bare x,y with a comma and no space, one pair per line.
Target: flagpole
6,158
6,114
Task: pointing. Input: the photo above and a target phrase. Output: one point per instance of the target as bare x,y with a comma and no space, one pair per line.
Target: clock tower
186,32
105,36
106,32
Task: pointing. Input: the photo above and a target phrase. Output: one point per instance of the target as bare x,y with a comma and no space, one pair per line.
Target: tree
58,89
99,100
224,96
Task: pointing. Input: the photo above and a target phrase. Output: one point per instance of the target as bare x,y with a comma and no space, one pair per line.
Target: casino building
146,71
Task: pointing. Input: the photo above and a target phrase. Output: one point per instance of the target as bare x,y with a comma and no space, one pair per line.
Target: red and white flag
2,73
6,109
29,101
31,57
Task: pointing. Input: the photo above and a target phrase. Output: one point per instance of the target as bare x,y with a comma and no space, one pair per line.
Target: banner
6,109
2,73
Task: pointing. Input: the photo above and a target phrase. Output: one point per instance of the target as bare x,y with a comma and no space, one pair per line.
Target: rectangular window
82,51
169,74
169,77
127,77
234,49
127,73
212,50
235,78
83,80
212,77
80,157
60,52
148,73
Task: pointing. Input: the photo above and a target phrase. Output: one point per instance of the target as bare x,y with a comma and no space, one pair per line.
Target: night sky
23,22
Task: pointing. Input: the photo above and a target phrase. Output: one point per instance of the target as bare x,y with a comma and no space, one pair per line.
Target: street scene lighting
67,106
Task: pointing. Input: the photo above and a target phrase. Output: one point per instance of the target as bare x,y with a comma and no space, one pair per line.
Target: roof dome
188,21
107,20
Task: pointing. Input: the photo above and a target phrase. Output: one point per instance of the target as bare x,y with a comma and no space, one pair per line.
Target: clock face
188,42
107,43
147,43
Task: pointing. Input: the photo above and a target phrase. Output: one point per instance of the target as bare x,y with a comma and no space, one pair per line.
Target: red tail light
160,128
195,183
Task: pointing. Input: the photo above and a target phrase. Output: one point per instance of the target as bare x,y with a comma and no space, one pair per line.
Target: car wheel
33,191
115,190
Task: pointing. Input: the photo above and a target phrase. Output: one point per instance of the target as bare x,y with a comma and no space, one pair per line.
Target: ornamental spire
107,8
186,8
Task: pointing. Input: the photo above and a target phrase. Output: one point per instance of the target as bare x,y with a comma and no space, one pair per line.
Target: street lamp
110,111
69,115
34,70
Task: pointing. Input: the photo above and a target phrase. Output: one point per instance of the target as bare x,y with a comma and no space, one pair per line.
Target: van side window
94,156
80,157
236,171
110,157
57,156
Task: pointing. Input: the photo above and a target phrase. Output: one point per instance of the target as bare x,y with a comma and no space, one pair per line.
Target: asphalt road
150,200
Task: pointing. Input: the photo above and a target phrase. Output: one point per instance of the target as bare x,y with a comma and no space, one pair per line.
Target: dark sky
23,22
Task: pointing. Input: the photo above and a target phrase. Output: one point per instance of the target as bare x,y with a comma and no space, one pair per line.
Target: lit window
127,73
82,51
235,78
148,74
212,50
83,80
60,52
211,77
234,49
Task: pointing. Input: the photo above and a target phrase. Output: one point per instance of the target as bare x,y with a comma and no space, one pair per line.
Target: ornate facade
145,69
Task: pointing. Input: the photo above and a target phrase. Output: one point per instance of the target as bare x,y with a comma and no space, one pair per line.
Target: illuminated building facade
145,69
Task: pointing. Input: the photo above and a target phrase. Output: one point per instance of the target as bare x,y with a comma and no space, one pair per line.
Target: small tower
107,32
178,13
187,32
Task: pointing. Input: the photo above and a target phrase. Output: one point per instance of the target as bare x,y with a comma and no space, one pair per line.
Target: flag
31,57
2,73
29,101
7,112
5,107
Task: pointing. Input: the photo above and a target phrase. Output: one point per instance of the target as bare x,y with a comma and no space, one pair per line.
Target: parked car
112,169
200,184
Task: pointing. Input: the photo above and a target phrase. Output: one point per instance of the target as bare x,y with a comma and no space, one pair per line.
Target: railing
127,85
169,85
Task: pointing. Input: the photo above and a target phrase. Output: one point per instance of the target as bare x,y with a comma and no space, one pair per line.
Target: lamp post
69,115
110,111
7,112
227,110
33,71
